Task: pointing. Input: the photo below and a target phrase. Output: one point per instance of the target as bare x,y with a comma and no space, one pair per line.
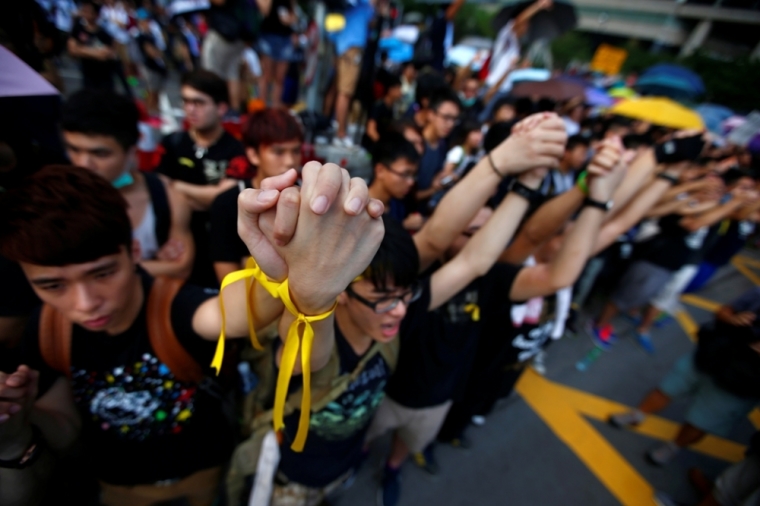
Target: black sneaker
389,492
426,460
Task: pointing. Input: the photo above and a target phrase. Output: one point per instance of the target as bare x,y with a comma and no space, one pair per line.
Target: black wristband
667,177
30,455
527,193
604,206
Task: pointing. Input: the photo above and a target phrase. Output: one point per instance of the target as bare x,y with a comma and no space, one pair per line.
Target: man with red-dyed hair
272,139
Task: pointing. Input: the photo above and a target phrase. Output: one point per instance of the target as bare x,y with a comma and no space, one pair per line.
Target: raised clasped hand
320,236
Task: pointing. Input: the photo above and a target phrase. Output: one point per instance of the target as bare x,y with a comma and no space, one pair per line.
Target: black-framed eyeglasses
387,304
411,176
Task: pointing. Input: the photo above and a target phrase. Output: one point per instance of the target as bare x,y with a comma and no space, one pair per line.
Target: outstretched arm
483,249
538,141
544,279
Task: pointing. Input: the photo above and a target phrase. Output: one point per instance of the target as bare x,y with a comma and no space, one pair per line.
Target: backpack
327,384
55,333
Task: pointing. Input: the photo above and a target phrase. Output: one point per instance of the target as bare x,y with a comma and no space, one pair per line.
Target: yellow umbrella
659,111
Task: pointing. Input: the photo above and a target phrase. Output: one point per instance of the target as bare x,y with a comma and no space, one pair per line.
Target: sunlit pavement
549,443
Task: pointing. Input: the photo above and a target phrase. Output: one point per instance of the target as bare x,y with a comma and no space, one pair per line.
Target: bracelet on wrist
30,455
528,194
582,182
493,166
667,177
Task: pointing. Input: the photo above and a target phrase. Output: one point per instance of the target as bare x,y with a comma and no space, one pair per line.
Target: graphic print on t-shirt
353,410
136,401
463,309
533,335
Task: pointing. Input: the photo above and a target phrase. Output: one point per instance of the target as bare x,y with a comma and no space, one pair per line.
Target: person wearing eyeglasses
197,159
443,116
395,171
387,309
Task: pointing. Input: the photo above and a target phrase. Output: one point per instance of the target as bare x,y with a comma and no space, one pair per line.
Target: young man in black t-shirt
382,114
388,301
198,159
100,134
272,139
95,48
150,431
395,165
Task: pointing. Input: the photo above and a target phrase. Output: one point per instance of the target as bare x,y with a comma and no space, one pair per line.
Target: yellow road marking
754,417
700,302
740,263
748,261
600,457
688,325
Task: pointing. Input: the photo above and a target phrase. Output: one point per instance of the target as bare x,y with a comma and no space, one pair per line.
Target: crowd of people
349,309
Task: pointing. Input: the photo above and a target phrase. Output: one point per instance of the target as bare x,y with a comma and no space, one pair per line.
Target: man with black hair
388,301
100,134
562,179
197,159
395,169
95,48
443,116
382,114
131,375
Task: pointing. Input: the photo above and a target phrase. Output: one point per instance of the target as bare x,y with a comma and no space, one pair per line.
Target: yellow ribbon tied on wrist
300,336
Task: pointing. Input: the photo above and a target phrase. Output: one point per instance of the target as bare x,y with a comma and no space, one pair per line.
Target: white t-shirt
115,20
506,52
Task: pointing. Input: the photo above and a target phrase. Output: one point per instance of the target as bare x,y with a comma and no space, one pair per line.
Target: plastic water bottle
589,359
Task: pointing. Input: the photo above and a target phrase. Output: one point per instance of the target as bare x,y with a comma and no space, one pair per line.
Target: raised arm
483,249
538,141
544,279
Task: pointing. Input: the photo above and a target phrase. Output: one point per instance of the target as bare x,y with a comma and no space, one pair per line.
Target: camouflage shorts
295,494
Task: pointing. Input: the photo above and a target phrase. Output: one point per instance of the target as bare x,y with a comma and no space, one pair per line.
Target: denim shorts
277,47
712,408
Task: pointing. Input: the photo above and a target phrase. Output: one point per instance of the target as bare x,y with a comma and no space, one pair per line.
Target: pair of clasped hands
324,234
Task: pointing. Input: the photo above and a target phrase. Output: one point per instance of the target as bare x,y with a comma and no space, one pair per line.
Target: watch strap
667,177
604,206
520,189
30,455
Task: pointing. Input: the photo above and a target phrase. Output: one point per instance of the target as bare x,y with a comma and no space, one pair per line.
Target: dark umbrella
555,89
671,81
546,24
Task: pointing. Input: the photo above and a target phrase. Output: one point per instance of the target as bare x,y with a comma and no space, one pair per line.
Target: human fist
607,169
537,141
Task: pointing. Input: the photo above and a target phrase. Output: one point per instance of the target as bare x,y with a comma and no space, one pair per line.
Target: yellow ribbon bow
474,311
294,340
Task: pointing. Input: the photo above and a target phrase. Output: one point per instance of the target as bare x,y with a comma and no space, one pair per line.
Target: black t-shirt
140,424
147,39
437,352
272,23
336,433
674,246
184,162
383,116
93,39
226,245
730,242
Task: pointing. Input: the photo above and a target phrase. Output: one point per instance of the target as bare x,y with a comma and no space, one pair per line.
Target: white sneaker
538,363
338,142
478,420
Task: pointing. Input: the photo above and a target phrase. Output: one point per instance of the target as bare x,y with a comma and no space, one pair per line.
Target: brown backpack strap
163,340
55,339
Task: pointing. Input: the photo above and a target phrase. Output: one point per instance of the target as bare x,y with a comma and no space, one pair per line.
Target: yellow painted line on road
688,325
654,426
748,261
701,302
741,265
754,417
599,456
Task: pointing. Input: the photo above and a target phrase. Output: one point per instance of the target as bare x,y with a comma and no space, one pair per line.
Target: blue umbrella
671,81
714,115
